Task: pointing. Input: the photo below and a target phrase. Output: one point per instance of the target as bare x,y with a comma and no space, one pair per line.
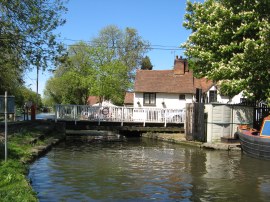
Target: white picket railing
119,114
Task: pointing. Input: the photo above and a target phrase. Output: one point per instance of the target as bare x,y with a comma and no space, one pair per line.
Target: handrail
119,114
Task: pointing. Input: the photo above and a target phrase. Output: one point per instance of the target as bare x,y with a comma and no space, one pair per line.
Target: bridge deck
122,115
85,127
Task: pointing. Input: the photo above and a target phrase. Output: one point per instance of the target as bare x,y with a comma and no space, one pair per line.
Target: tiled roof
129,98
204,84
165,81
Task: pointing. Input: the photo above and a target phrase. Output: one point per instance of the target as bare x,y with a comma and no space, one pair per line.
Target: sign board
105,111
266,128
10,104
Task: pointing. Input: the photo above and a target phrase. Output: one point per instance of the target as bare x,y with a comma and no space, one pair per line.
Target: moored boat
256,143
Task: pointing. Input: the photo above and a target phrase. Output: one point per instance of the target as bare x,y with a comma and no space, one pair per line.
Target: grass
20,145
14,185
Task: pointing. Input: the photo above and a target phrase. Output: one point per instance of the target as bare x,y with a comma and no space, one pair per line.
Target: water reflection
142,170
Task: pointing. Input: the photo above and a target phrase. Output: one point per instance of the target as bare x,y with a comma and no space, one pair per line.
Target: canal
148,170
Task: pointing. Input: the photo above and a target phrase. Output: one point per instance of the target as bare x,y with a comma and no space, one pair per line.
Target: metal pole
122,116
56,113
37,87
165,121
6,126
75,114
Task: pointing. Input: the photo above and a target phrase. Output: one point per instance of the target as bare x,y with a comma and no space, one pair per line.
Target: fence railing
119,114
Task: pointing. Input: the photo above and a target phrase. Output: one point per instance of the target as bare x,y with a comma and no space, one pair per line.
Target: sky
157,21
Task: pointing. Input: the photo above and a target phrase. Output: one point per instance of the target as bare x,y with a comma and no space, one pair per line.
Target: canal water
148,170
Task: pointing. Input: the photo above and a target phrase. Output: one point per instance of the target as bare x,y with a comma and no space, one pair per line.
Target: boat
256,143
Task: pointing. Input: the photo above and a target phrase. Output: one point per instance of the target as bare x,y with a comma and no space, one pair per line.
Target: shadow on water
142,170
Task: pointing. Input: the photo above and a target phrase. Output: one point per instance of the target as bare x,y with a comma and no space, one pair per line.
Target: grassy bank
13,183
25,143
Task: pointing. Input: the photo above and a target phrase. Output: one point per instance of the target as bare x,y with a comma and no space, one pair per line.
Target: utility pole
38,61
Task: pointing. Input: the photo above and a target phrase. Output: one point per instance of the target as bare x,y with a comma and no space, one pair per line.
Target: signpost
6,107
10,104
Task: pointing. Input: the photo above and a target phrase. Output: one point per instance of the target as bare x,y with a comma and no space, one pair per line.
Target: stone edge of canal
179,138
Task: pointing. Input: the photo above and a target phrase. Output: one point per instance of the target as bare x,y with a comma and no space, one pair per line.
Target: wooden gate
195,126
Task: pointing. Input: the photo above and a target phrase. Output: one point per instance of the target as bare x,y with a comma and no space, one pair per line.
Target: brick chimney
180,66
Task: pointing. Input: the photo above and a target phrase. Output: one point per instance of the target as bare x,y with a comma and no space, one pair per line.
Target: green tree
23,95
88,71
27,37
230,44
127,46
103,68
73,79
111,81
10,78
68,89
146,64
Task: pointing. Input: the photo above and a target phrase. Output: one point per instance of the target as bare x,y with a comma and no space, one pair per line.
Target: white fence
119,114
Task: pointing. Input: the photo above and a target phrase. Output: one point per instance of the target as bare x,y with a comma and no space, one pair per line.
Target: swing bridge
119,115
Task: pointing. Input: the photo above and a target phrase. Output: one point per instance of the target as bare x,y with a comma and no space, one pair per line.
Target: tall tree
87,71
230,44
111,81
71,88
27,37
73,79
146,64
103,68
10,77
24,95
127,46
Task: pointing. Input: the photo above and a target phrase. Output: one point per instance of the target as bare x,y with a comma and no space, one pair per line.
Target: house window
149,99
212,96
243,100
182,97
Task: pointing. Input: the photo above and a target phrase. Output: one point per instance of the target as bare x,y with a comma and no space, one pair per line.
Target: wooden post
188,124
199,122
195,122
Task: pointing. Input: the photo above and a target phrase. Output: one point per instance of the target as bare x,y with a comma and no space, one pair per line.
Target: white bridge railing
119,114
